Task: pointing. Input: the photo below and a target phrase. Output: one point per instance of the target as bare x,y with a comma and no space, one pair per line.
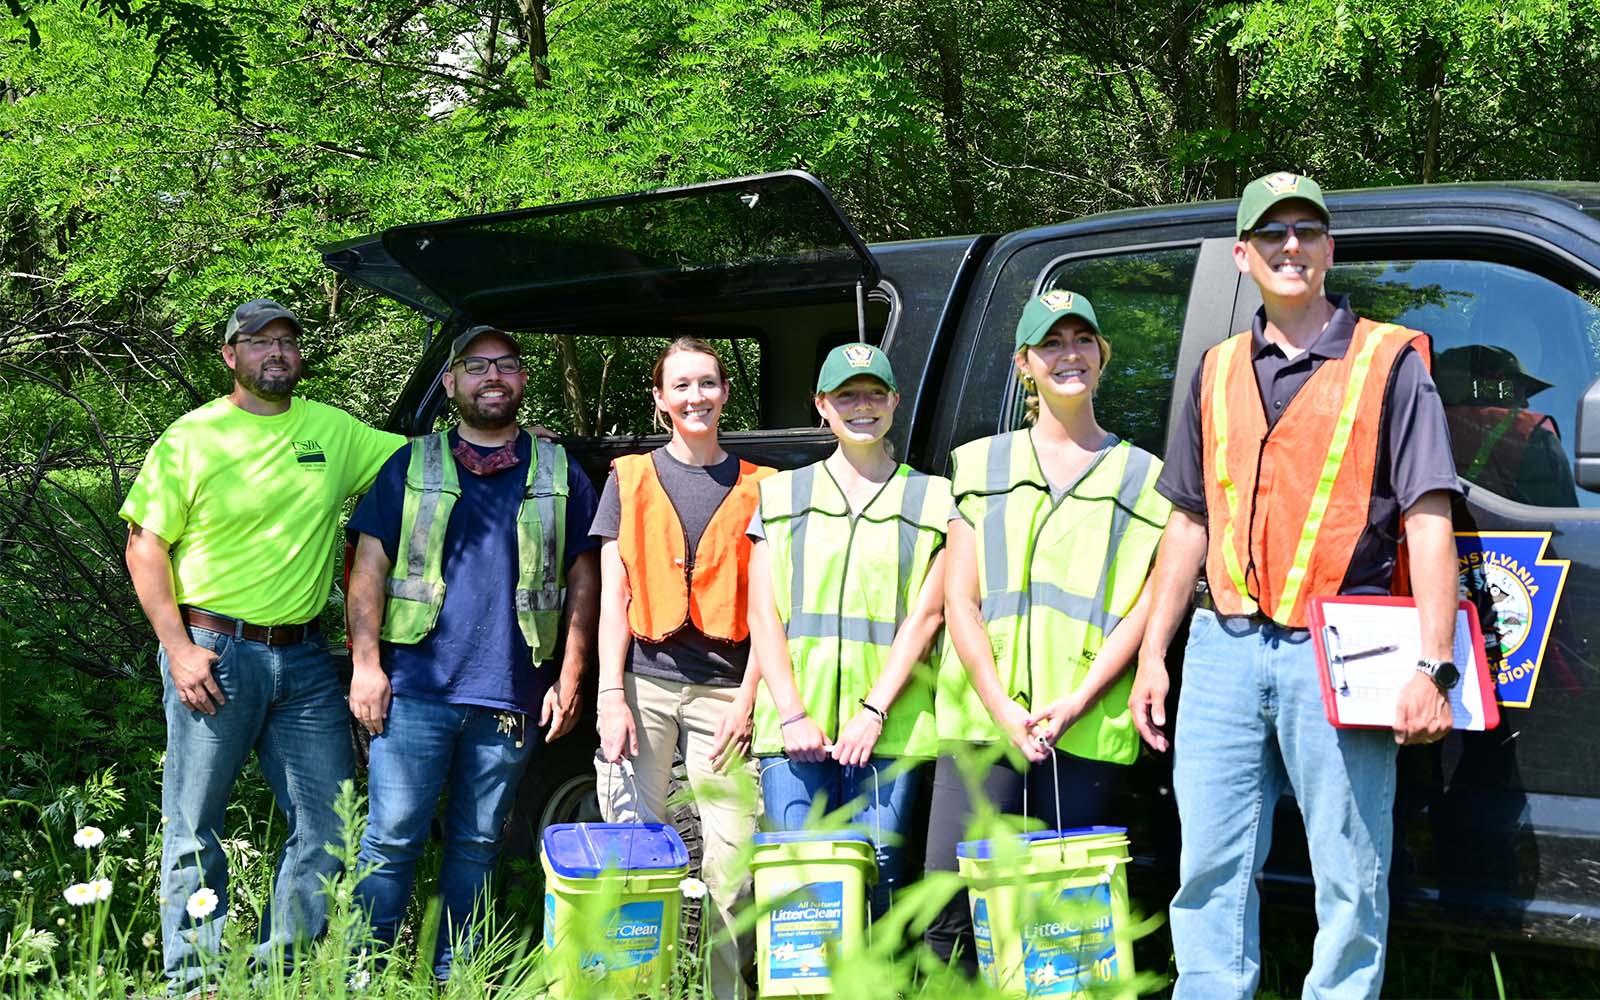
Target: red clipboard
1387,643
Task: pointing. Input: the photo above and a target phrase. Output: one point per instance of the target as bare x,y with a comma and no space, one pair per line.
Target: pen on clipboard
1337,657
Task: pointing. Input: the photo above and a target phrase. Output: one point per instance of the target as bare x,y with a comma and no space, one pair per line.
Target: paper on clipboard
1367,650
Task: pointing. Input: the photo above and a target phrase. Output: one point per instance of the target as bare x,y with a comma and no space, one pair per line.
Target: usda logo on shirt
308,452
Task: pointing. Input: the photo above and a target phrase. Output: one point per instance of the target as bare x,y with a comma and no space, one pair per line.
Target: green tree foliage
161,161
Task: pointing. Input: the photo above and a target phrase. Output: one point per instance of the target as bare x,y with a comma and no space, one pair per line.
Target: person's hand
369,697
804,740
1148,700
618,738
1422,714
1018,727
1057,717
732,740
857,738
543,433
190,666
560,711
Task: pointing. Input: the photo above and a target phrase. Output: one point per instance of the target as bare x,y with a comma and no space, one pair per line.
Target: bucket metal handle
1055,779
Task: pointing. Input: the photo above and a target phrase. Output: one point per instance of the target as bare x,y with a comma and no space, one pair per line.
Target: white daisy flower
79,894
202,904
89,836
692,888
101,887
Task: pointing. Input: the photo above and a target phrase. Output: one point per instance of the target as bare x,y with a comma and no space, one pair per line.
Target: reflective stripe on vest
1269,495
667,589
843,584
416,587
1055,578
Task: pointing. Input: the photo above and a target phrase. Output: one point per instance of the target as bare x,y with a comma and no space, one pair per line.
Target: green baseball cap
1044,311
1265,192
846,361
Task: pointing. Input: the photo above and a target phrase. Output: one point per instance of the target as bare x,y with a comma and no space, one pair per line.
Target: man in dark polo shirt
1309,444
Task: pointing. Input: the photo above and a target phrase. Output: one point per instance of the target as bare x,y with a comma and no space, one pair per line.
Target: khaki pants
672,717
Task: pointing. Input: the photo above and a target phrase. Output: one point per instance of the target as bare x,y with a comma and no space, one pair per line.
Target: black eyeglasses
1277,233
505,364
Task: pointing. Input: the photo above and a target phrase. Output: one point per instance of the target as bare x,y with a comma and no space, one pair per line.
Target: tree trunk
538,41
952,101
1228,120
572,384
1433,82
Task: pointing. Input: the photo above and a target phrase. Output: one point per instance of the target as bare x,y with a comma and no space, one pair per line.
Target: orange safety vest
1489,442
668,589
1286,507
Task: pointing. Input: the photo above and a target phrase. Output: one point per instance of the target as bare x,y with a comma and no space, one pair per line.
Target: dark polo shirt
1413,447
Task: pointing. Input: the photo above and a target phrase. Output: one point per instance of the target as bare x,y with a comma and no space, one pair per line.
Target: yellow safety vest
1056,576
415,587
843,584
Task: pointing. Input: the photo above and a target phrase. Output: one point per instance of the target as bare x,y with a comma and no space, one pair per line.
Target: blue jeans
881,809
427,747
287,704
1250,725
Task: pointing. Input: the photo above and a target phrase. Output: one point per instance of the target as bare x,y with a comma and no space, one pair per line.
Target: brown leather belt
271,635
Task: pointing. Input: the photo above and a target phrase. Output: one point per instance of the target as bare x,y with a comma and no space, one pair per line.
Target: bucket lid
588,850
982,850
811,837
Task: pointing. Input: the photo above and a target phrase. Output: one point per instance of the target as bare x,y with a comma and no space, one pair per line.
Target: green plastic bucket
612,890
1050,912
811,892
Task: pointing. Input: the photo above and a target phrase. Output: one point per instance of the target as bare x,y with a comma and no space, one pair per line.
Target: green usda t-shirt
251,504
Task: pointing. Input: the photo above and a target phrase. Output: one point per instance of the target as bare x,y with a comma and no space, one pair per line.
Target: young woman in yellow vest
1054,531
675,670
846,596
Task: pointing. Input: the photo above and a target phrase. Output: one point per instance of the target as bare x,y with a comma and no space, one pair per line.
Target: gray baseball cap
464,339
254,315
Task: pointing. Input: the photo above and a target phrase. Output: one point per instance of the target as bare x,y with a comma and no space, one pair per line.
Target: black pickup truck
1498,832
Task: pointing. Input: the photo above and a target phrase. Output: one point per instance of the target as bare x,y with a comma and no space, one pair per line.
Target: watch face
1447,675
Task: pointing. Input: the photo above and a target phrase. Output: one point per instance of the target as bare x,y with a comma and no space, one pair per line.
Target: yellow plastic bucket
811,892
1050,912
612,905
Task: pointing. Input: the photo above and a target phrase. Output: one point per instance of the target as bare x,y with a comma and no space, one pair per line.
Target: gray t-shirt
688,655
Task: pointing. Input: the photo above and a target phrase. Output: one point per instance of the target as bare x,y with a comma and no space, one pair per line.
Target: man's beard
495,415
274,388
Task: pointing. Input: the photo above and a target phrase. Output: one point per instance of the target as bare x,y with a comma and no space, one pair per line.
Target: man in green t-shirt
232,529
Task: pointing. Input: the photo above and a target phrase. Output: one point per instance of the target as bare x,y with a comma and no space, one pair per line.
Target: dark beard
480,419
272,388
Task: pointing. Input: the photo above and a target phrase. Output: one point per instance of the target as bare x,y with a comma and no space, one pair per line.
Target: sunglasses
1277,233
505,364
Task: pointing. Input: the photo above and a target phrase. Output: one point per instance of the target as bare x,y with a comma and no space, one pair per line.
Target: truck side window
1513,353
1140,299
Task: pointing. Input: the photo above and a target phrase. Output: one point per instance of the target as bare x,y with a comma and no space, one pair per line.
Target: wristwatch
1441,672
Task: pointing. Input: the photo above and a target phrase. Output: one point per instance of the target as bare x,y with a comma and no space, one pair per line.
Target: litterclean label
802,929
984,936
633,938
1072,949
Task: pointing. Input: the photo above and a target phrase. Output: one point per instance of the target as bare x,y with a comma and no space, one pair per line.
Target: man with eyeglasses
473,566
232,531
1309,446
